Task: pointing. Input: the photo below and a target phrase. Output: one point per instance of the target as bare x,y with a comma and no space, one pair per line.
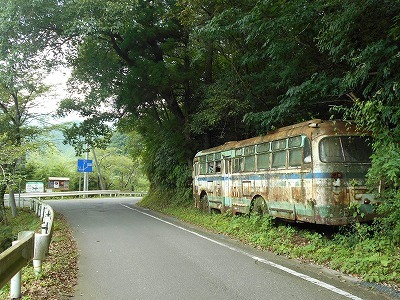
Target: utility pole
98,170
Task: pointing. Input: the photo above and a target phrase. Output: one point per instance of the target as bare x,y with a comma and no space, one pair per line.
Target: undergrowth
359,250
25,220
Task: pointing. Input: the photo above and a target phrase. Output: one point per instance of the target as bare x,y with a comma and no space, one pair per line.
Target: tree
370,50
19,88
22,66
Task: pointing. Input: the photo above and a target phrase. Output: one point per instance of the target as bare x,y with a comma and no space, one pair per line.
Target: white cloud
48,103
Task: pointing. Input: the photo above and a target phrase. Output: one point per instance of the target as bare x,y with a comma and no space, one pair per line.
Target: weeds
25,220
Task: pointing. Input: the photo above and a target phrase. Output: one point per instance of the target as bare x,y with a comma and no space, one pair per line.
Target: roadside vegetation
359,250
59,269
25,220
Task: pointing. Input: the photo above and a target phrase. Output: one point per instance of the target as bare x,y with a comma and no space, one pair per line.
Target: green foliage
25,220
90,133
50,162
121,166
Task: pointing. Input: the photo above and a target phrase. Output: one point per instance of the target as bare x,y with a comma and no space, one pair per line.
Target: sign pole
85,166
86,174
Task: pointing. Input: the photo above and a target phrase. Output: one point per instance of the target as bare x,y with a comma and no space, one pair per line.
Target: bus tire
258,207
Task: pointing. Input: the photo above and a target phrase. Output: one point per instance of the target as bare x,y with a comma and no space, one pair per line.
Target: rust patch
276,193
298,194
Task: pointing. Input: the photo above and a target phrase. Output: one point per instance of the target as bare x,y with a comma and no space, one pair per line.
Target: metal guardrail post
15,283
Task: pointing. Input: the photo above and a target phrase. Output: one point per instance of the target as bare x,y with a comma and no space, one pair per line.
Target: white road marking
264,261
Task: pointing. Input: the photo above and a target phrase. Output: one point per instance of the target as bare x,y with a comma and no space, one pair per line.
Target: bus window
249,150
238,152
237,165
307,151
279,159
210,167
203,165
226,167
218,166
345,149
249,163
279,144
294,141
295,157
264,147
263,161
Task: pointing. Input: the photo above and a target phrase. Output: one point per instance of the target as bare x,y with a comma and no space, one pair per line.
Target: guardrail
29,247
79,194
16,257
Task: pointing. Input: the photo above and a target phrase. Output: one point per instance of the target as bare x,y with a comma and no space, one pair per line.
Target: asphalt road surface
127,252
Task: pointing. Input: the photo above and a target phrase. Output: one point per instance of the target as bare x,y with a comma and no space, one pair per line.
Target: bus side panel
279,198
214,193
240,202
302,195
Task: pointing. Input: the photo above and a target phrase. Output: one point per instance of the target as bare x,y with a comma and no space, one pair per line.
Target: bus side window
249,163
263,161
226,166
203,165
210,169
263,156
307,151
295,157
237,165
279,159
218,166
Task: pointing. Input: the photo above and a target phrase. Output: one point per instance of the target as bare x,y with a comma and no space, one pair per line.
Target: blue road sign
85,165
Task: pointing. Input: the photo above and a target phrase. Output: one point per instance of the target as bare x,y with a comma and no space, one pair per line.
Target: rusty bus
309,172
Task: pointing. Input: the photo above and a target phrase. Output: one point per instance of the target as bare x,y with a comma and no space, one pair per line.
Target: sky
48,103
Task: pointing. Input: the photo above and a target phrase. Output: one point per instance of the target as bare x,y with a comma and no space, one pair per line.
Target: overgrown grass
25,220
59,269
357,250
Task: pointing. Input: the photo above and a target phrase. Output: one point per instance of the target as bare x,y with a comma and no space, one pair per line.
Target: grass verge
59,269
25,220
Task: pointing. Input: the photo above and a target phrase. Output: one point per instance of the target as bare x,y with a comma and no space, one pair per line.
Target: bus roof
312,129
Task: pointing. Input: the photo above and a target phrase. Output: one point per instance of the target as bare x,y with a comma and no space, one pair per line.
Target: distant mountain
57,137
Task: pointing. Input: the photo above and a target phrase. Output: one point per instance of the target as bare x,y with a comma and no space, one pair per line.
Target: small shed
59,183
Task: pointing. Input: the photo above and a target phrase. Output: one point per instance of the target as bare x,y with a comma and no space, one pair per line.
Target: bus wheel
204,202
258,207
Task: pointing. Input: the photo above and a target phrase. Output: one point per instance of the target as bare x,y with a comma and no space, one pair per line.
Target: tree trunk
13,205
3,215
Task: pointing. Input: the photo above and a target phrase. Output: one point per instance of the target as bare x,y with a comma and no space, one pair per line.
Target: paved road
131,253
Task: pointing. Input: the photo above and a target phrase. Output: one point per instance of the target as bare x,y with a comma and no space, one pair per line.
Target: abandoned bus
309,172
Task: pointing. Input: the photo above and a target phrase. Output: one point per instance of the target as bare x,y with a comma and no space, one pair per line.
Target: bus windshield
347,149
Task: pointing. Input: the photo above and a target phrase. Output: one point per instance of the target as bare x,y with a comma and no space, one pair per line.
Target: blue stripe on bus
279,176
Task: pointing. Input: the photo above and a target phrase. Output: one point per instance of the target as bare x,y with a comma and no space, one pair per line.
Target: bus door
226,182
